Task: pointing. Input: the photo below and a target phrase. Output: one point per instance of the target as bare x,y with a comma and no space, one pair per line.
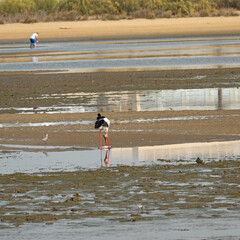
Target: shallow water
151,53
140,100
33,159
167,63
179,202
182,228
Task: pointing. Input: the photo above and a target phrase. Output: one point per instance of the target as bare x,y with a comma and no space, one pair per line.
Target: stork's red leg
100,140
101,156
107,140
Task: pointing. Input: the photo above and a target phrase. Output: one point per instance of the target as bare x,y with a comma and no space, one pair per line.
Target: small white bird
45,138
140,206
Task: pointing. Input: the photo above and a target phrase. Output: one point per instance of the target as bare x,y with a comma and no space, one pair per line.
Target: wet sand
124,29
206,126
24,90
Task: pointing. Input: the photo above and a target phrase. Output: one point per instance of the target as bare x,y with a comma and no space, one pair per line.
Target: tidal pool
33,159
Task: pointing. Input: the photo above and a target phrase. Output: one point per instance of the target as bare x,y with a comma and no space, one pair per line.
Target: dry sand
207,26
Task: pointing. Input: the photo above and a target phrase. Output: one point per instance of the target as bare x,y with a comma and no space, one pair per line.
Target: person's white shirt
34,35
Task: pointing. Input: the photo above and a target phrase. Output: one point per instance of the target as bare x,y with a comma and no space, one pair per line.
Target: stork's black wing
99,123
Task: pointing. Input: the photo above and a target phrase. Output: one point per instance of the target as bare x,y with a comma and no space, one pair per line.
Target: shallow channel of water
182,228
149,53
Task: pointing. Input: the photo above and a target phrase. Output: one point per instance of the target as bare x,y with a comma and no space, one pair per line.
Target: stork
103,123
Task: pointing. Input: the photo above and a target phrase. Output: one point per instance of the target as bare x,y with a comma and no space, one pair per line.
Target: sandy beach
123,29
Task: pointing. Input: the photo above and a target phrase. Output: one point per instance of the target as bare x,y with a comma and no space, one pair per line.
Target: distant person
33,40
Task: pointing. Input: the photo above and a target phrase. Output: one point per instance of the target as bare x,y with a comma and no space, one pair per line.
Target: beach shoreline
122,29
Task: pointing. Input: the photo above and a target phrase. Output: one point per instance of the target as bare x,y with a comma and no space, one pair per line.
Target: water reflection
106,154
141,100
34,59
187,152
157,100
29,159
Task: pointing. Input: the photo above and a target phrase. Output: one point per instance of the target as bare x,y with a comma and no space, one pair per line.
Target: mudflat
21,90
25,89
165,192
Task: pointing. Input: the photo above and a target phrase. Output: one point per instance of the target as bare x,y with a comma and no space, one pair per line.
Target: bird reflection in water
106,157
